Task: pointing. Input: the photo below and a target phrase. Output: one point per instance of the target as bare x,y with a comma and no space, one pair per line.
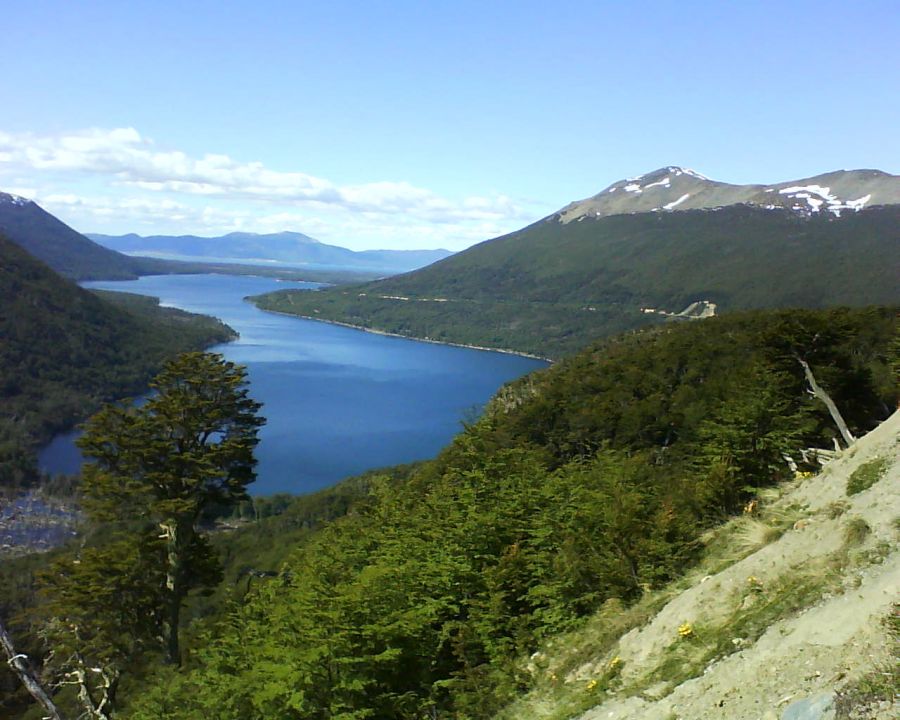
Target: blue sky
425,124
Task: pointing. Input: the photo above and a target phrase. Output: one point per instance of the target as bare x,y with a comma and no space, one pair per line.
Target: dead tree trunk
20,666
107,682
178,533
820,393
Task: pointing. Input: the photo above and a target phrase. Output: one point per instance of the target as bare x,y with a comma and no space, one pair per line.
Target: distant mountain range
290,248
79,257
641,252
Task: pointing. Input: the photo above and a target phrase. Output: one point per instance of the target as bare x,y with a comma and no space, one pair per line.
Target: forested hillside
590,481
553,287
59,246
65,350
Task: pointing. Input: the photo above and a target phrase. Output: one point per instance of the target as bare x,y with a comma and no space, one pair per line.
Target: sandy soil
821,648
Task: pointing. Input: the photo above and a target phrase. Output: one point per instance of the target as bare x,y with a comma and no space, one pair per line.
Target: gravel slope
819,647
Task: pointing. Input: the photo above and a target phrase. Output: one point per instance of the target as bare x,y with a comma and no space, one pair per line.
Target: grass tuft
866,475
751,534
882,683
758,609
856,531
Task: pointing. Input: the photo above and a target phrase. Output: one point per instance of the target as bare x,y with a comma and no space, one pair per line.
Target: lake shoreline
34,520
338,403
505,351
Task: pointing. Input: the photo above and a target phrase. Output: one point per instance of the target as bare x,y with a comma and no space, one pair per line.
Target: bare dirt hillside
795,619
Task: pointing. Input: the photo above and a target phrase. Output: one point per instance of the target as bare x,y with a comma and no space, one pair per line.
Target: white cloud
122,159
156,214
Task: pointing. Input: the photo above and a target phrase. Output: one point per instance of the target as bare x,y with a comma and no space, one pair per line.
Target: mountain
64,350
55,243
676,188
284,247
554,286
77,257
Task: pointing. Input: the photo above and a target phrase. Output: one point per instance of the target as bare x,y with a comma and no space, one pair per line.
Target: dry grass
882,683
856,531
752,534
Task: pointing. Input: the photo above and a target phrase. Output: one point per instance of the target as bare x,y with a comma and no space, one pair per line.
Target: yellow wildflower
591,685
685,630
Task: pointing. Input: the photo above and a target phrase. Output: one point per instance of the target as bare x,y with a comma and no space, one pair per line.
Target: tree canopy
153,470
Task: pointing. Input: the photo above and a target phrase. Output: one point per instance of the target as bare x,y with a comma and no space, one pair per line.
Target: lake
338,401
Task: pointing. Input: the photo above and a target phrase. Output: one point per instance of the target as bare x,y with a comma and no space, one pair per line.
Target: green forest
65,350
552,288
421,591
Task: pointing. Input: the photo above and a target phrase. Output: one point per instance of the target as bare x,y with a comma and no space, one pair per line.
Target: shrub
866,475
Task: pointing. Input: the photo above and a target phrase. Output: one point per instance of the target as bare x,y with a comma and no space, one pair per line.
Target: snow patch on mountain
665,182
816,196
859,203
824,192
675,203
686,171
11,199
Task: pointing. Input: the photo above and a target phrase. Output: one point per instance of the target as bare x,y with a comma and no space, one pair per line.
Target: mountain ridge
64,249
283,247
552,287
674,188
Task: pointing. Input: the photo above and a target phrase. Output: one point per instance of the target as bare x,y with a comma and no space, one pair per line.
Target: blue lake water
338,401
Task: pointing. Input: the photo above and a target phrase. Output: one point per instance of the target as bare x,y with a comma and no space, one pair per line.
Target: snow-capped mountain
10,199
675,188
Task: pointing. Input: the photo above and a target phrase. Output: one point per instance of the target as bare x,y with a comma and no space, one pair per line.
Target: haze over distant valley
287,248
283,255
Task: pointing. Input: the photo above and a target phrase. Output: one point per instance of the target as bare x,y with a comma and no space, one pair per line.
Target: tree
155,468
742,444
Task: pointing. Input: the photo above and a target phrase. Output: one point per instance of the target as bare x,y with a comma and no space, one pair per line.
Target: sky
425,124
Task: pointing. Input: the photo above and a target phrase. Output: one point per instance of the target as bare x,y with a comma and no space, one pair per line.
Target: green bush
866,475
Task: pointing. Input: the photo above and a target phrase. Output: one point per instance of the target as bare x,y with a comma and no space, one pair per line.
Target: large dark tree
159,466
153,470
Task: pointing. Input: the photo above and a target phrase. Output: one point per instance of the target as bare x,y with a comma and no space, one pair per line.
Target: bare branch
819,392
19,664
